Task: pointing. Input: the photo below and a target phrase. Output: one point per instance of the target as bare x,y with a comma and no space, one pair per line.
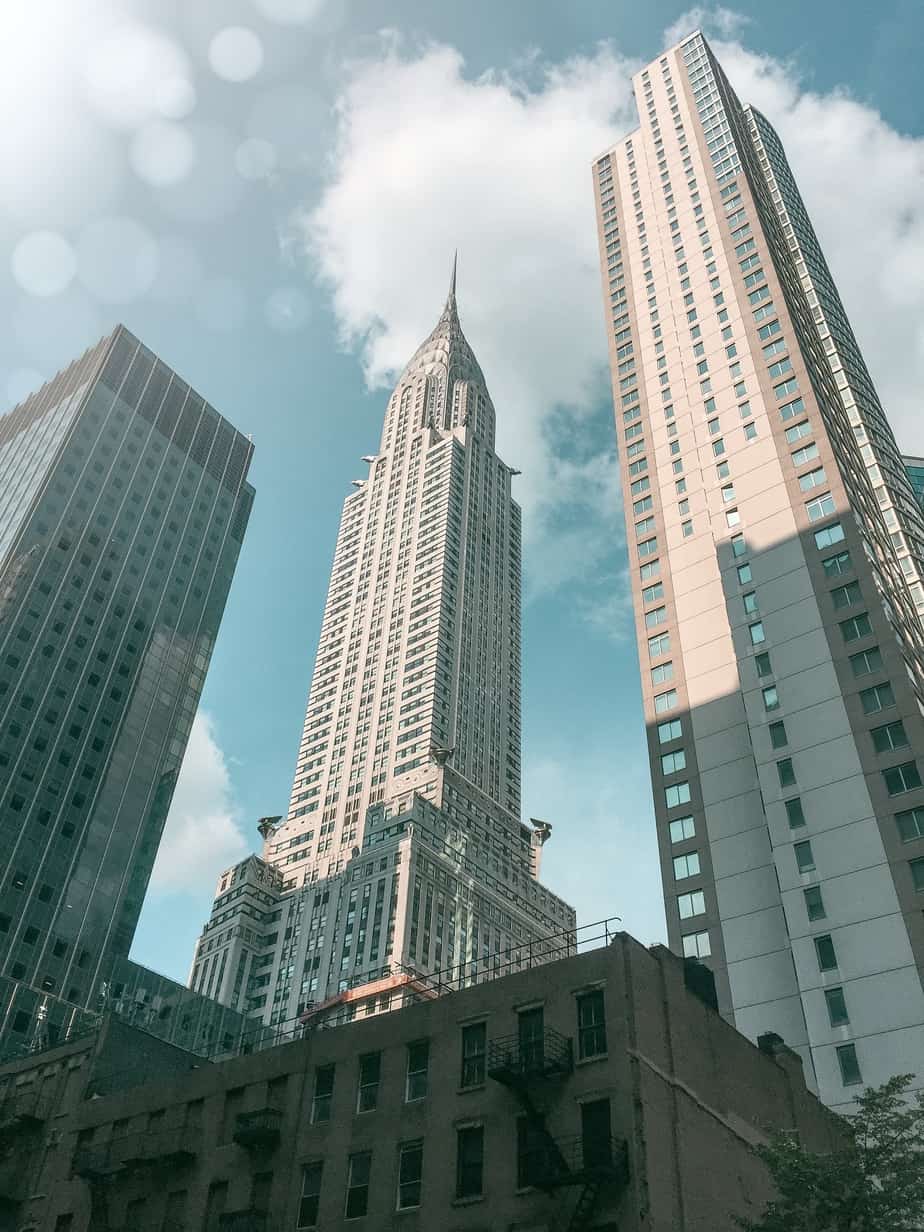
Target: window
916,868
890,736
778,738
469,1161
682,828
856,627
367,1095
756,632
836,565
649,570
824,951
691,904
762,664
850,1066
791,409
311,1195
686,866
474,1051
532,1151
814,904
845,596
591,1015
910,824
866,661
696,945
739,547
418,1063
660,644
750,602
718,448
410,1174
785,388
837,1007
671,730
732,517
903,778
677,793
648,547
820,507
665,701
812,479
805,861
794,812
744,574
673,761
829,535
877,698
796,433
655,591
786,772
750,431
323,1094
806,454
686,529
771,697
656,616
357,1202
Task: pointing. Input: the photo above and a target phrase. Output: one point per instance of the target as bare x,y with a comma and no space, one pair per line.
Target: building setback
594,1092
123,504
775,549
402,851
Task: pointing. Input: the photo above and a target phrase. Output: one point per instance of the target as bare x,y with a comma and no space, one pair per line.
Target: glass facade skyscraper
775,557
123,505
402,852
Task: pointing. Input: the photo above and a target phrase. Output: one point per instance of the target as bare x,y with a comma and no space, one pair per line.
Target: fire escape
531,1064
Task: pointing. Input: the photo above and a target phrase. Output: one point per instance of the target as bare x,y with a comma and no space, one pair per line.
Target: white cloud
203,834
428,159
714,20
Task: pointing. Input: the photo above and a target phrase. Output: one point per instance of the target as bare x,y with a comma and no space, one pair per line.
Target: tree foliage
873,1182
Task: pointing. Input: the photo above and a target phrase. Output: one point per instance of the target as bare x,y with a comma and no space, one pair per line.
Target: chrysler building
402,852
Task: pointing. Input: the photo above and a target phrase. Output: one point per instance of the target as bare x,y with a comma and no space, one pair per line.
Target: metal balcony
514,1061
249,1220
94,1162
258,1130
578,1160
173,1147
22,1111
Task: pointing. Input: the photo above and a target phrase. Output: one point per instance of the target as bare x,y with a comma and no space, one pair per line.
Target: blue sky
268,192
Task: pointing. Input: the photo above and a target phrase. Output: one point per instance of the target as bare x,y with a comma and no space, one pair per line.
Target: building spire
452,280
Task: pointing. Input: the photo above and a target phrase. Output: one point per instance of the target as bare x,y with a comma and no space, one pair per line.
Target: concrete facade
594,1092
775,549
402,850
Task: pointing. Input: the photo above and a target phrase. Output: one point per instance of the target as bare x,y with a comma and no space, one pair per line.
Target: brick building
600,1091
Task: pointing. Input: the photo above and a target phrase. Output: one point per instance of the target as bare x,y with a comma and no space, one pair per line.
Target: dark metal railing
260,1128
577,1159
249,1220
512,1057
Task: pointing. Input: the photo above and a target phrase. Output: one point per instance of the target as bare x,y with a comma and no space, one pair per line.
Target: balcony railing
163,1146
580,1160
23,1110
512,1059
168,1147
249,1220
258,1130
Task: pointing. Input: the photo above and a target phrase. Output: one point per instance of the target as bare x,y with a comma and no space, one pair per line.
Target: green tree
872,1182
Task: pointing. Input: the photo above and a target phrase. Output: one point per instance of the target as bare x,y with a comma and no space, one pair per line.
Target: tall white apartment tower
402,852
775,552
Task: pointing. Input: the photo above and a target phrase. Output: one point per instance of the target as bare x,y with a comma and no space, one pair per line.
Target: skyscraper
402,846
123,504
775,553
